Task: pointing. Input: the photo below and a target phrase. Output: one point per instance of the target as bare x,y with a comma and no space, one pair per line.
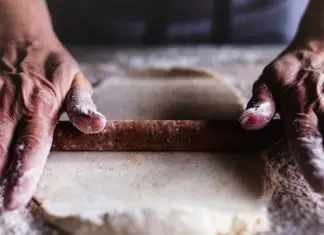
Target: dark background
176,21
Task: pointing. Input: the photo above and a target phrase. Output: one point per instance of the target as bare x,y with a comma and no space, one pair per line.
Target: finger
260,109
306,145
30,154
8,122
81,109
7,127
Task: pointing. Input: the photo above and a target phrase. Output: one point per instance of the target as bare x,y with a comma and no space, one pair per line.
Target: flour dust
19,222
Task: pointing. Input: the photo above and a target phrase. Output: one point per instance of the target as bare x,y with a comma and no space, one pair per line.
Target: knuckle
283,70
273,69
43,101
6,117
60,60
41,96
27,143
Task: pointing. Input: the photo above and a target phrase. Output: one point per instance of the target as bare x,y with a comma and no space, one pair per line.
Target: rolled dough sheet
157,193
177,93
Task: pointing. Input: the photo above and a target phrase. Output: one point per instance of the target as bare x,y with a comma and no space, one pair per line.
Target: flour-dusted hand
293,86
39,80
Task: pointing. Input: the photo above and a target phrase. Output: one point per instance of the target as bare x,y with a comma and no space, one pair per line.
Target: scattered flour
18,223
294,208
79,104
21,222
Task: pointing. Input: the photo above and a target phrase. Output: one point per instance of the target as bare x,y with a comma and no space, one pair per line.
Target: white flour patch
263,109
86,109
17,223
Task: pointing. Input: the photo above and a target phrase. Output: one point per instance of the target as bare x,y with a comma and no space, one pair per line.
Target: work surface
237,66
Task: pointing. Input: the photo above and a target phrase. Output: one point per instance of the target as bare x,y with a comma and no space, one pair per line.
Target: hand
293,86
38,81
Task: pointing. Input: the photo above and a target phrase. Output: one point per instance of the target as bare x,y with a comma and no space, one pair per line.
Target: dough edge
159,221
185,72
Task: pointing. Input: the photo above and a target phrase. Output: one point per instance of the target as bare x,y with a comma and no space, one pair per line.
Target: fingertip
257,116
251,120
83,114
89,123
98,123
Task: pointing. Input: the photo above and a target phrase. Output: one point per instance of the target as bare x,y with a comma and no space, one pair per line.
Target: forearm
311,26
24,20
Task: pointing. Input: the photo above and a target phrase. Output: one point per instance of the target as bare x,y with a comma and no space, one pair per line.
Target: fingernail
90,122
99,122
257,116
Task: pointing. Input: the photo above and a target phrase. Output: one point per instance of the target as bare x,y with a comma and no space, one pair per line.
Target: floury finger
30,155
260,109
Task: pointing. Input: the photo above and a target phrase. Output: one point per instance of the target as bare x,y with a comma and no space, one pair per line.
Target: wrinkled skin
39,79
37,83
293,85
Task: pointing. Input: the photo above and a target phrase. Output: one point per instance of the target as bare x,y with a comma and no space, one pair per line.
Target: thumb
81,109
260,109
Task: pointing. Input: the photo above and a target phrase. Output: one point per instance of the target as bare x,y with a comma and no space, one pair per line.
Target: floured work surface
157,193
294,208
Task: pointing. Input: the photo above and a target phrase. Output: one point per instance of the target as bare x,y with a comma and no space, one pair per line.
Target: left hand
293,86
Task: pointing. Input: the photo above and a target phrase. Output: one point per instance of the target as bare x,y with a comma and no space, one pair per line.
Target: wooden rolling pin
167,135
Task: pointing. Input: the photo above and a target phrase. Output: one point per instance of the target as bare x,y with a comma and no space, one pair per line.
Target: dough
182,94
154,193
157,193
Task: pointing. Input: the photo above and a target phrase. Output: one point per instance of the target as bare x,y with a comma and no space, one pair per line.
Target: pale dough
137,193
176,93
